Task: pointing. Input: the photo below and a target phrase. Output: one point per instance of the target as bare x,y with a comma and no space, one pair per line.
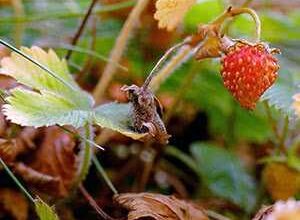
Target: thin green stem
54,75
91,53
101,170
86,155
174,152
232,12
10,173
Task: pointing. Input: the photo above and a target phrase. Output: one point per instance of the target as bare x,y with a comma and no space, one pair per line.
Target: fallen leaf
10,148
53,166
14,203
158,207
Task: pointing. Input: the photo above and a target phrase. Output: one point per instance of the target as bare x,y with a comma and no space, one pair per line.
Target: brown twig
89,61
94,204
81,27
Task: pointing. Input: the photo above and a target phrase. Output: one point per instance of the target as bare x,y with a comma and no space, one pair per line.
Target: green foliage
117,117
52,102
29,108
44,211
281,94
223,174
202,13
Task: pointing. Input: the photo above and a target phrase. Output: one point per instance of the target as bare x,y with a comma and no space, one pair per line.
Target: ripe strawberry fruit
248,71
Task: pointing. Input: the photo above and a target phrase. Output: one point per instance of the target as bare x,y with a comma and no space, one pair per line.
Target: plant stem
232,12
153,72
94,204
184,158
10,173
104,175
119,47
86,155
170,66
81,27
90,53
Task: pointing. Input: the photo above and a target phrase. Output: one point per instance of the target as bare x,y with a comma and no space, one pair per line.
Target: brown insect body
147,112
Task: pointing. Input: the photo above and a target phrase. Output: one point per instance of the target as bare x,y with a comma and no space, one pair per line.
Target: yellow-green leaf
44,211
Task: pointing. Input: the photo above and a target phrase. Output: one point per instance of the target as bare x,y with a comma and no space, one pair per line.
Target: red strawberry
248,71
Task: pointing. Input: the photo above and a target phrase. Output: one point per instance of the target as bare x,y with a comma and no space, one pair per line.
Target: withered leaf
53,163
12,147
159,207
14,203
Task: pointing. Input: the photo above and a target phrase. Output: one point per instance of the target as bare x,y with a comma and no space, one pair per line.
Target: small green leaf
44,211
223,174
118,117
53,102
28,108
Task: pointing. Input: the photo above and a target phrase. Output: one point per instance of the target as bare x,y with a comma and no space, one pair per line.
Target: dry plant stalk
118,50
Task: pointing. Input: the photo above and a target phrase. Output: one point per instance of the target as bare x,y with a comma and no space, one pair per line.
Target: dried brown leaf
52,167
12,147
158,207
14,203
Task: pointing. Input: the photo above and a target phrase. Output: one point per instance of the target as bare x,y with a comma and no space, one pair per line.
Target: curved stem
232,12
170,66
104,175
94,204
154,71
254,16
86,156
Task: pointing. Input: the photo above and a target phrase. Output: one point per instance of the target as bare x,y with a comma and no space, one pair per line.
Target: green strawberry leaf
44,211
53,102
223,174
118,117
28,108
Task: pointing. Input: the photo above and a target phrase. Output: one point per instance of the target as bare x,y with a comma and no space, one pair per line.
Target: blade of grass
104,175
18,183
91,53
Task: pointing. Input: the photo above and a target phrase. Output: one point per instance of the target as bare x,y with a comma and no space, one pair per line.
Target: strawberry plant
185,110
